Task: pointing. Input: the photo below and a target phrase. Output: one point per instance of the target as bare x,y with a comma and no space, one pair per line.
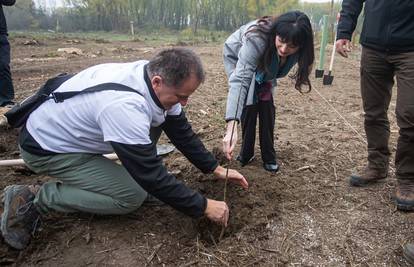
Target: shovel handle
332,56
20,162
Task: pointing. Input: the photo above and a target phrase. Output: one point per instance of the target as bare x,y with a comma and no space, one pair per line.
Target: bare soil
306,214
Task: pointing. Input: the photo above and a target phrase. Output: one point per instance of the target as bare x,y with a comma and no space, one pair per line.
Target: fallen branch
354,207
221,260
151,257
218,258
270,250
307,167
106,250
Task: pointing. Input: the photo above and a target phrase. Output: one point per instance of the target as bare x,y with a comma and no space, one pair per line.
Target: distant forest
150,15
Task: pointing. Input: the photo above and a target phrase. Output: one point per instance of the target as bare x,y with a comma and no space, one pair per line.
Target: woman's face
285,49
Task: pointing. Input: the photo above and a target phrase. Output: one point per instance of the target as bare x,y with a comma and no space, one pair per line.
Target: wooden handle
332,57
20,162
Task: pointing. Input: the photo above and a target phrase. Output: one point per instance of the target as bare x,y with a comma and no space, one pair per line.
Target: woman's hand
228,142
233,176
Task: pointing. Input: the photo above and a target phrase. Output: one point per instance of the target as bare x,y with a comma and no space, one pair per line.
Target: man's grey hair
175,66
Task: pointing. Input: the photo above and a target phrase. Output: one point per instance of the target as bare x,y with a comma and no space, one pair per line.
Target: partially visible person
255,56
66,140
6,84
387,41
408,252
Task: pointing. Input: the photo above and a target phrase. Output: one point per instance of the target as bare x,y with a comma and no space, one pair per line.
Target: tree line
117,15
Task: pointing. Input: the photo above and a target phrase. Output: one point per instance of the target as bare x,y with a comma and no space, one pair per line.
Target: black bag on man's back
18,115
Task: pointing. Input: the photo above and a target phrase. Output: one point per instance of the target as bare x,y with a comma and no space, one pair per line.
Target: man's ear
156,81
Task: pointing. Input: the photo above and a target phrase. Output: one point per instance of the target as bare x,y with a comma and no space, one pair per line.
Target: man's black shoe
244,162
8,104
271,167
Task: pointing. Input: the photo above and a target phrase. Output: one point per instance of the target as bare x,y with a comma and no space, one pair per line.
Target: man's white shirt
88,122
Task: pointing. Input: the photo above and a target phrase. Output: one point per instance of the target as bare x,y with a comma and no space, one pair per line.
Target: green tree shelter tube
324,41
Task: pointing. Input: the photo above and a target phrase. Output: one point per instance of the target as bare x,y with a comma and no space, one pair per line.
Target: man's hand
233,176
217,211
343,46
228,146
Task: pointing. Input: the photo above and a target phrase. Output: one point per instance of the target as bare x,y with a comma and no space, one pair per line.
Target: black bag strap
52,84
62,96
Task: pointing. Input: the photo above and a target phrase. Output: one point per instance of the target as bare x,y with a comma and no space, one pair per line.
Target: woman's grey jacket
241,55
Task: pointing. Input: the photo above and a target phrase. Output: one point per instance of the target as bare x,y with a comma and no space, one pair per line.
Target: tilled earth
306,214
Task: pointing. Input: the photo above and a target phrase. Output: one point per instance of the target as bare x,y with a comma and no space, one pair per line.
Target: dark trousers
266,112
6,84
377,79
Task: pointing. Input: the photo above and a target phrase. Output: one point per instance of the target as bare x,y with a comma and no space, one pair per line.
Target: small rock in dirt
91,55
203,112
175,172
70,50
31,42
73,41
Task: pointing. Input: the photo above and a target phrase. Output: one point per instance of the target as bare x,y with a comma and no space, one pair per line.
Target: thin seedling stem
223,228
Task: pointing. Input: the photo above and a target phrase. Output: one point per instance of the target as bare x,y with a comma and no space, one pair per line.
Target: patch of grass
158,37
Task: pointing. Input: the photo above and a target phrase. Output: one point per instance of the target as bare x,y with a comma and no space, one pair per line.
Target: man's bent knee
130,204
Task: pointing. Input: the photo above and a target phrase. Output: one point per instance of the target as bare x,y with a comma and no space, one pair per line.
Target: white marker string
349,124
340,115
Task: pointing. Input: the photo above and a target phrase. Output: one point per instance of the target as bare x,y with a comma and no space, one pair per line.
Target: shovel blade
318,73
164,149
327,79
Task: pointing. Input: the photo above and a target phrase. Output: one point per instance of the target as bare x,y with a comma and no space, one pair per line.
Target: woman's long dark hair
292,27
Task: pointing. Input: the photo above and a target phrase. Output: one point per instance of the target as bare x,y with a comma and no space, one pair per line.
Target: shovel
327,79
162,149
